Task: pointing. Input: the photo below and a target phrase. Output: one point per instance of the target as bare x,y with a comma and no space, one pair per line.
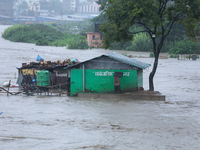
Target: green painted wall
102,80
140,78
77,78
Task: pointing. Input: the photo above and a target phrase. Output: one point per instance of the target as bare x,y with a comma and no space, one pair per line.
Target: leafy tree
140,42
185,47
42,42
155,17
79,42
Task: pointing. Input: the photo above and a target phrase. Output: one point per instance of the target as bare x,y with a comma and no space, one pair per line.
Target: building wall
6,8
70,5
94,39
89,8
140,78
102,81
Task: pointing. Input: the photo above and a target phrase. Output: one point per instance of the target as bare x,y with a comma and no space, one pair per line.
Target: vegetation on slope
44,35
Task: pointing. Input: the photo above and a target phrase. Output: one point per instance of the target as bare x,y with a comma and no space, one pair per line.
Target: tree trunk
156,55
151,85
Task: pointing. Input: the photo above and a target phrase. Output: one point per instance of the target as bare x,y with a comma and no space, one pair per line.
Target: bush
151,54
79,42
140,42
32,33
54,24
42,42
185,47
173,56
119,46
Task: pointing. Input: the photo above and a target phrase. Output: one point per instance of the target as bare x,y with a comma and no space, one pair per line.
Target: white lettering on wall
108,73
126,74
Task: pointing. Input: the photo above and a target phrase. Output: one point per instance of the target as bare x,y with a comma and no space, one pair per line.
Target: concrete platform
138,95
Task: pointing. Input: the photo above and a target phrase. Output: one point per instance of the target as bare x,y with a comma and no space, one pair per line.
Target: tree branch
137,32
163,7
162,26
172,22
145,27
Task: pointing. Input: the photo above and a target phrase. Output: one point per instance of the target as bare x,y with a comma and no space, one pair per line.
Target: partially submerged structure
28,73
106,73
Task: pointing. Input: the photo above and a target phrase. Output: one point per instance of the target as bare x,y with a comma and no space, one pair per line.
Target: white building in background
70,5
81,6
89,7
34,6
44,12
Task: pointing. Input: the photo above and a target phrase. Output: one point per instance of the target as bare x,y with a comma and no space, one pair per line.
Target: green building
104,73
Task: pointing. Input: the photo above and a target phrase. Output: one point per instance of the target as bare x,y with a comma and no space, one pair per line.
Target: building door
117,76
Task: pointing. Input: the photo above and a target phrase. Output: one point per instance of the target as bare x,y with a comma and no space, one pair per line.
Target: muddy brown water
64,123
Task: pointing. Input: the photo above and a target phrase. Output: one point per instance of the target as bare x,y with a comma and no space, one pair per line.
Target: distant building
95,38
34,7
44,8
6,8
70,5
89,8
44,12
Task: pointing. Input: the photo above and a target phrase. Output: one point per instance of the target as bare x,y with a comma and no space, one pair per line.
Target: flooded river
64,123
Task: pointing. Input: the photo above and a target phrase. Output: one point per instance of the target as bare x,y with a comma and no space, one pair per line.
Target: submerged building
108,73
104,73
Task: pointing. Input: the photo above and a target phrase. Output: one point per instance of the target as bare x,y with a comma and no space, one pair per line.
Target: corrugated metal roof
121,58
127,60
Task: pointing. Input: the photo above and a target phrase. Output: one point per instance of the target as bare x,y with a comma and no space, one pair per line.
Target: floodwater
64,123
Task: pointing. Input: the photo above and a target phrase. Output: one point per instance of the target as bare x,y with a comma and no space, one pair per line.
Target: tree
155,17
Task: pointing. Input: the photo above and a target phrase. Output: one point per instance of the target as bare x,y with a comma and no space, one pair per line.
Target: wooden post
83,78
59,90
8,87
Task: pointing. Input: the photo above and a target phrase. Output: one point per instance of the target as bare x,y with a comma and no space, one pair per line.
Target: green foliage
44,35
42,42
100,19
59,42
79,42
140,42
154,17
173,56
186,47
119,45
151,54
54,24
31,33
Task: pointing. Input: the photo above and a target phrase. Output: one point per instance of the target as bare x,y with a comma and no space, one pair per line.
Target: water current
66,123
